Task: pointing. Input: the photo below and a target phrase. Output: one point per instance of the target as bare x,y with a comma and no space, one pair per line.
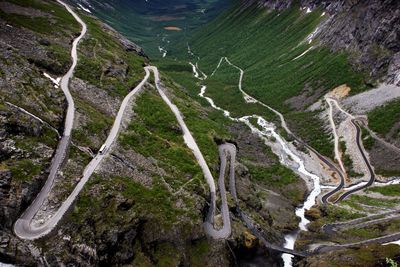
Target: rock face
369,30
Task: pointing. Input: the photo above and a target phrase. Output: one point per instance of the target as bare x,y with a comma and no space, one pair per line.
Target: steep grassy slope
280,67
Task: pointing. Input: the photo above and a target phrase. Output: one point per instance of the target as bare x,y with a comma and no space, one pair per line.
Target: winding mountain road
226,150
370,169
249,99
362,222
268,130
340,171
225,231
354,121
25,228
191,143
21,227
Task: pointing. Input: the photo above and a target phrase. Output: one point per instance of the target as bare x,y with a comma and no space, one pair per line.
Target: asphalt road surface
22,225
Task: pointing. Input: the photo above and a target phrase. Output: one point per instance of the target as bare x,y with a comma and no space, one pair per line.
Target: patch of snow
308,10
55,81
84,8
305,52
6,265
163,51
394,242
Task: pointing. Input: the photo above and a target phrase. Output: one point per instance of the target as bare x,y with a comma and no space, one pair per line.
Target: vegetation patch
389,190
333,213
25,170
278,177
57,20
356,202
383,119
105,63
155,133
266,45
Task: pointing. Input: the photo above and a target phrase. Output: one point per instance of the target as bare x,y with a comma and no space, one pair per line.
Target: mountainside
266,58
367,30
146,203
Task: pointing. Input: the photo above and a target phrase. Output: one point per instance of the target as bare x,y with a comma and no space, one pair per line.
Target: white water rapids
269,131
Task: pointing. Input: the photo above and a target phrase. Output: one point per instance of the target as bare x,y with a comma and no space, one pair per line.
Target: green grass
389,190
198,253
140,22
98,52
207,126
96,124
371,255
155,133
374,231
278,178
367,139
275,176
25,170
230,98
154,203
264,45
57,20
363,233
334,213
382,119
308,126
387,173
166,255
354,201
